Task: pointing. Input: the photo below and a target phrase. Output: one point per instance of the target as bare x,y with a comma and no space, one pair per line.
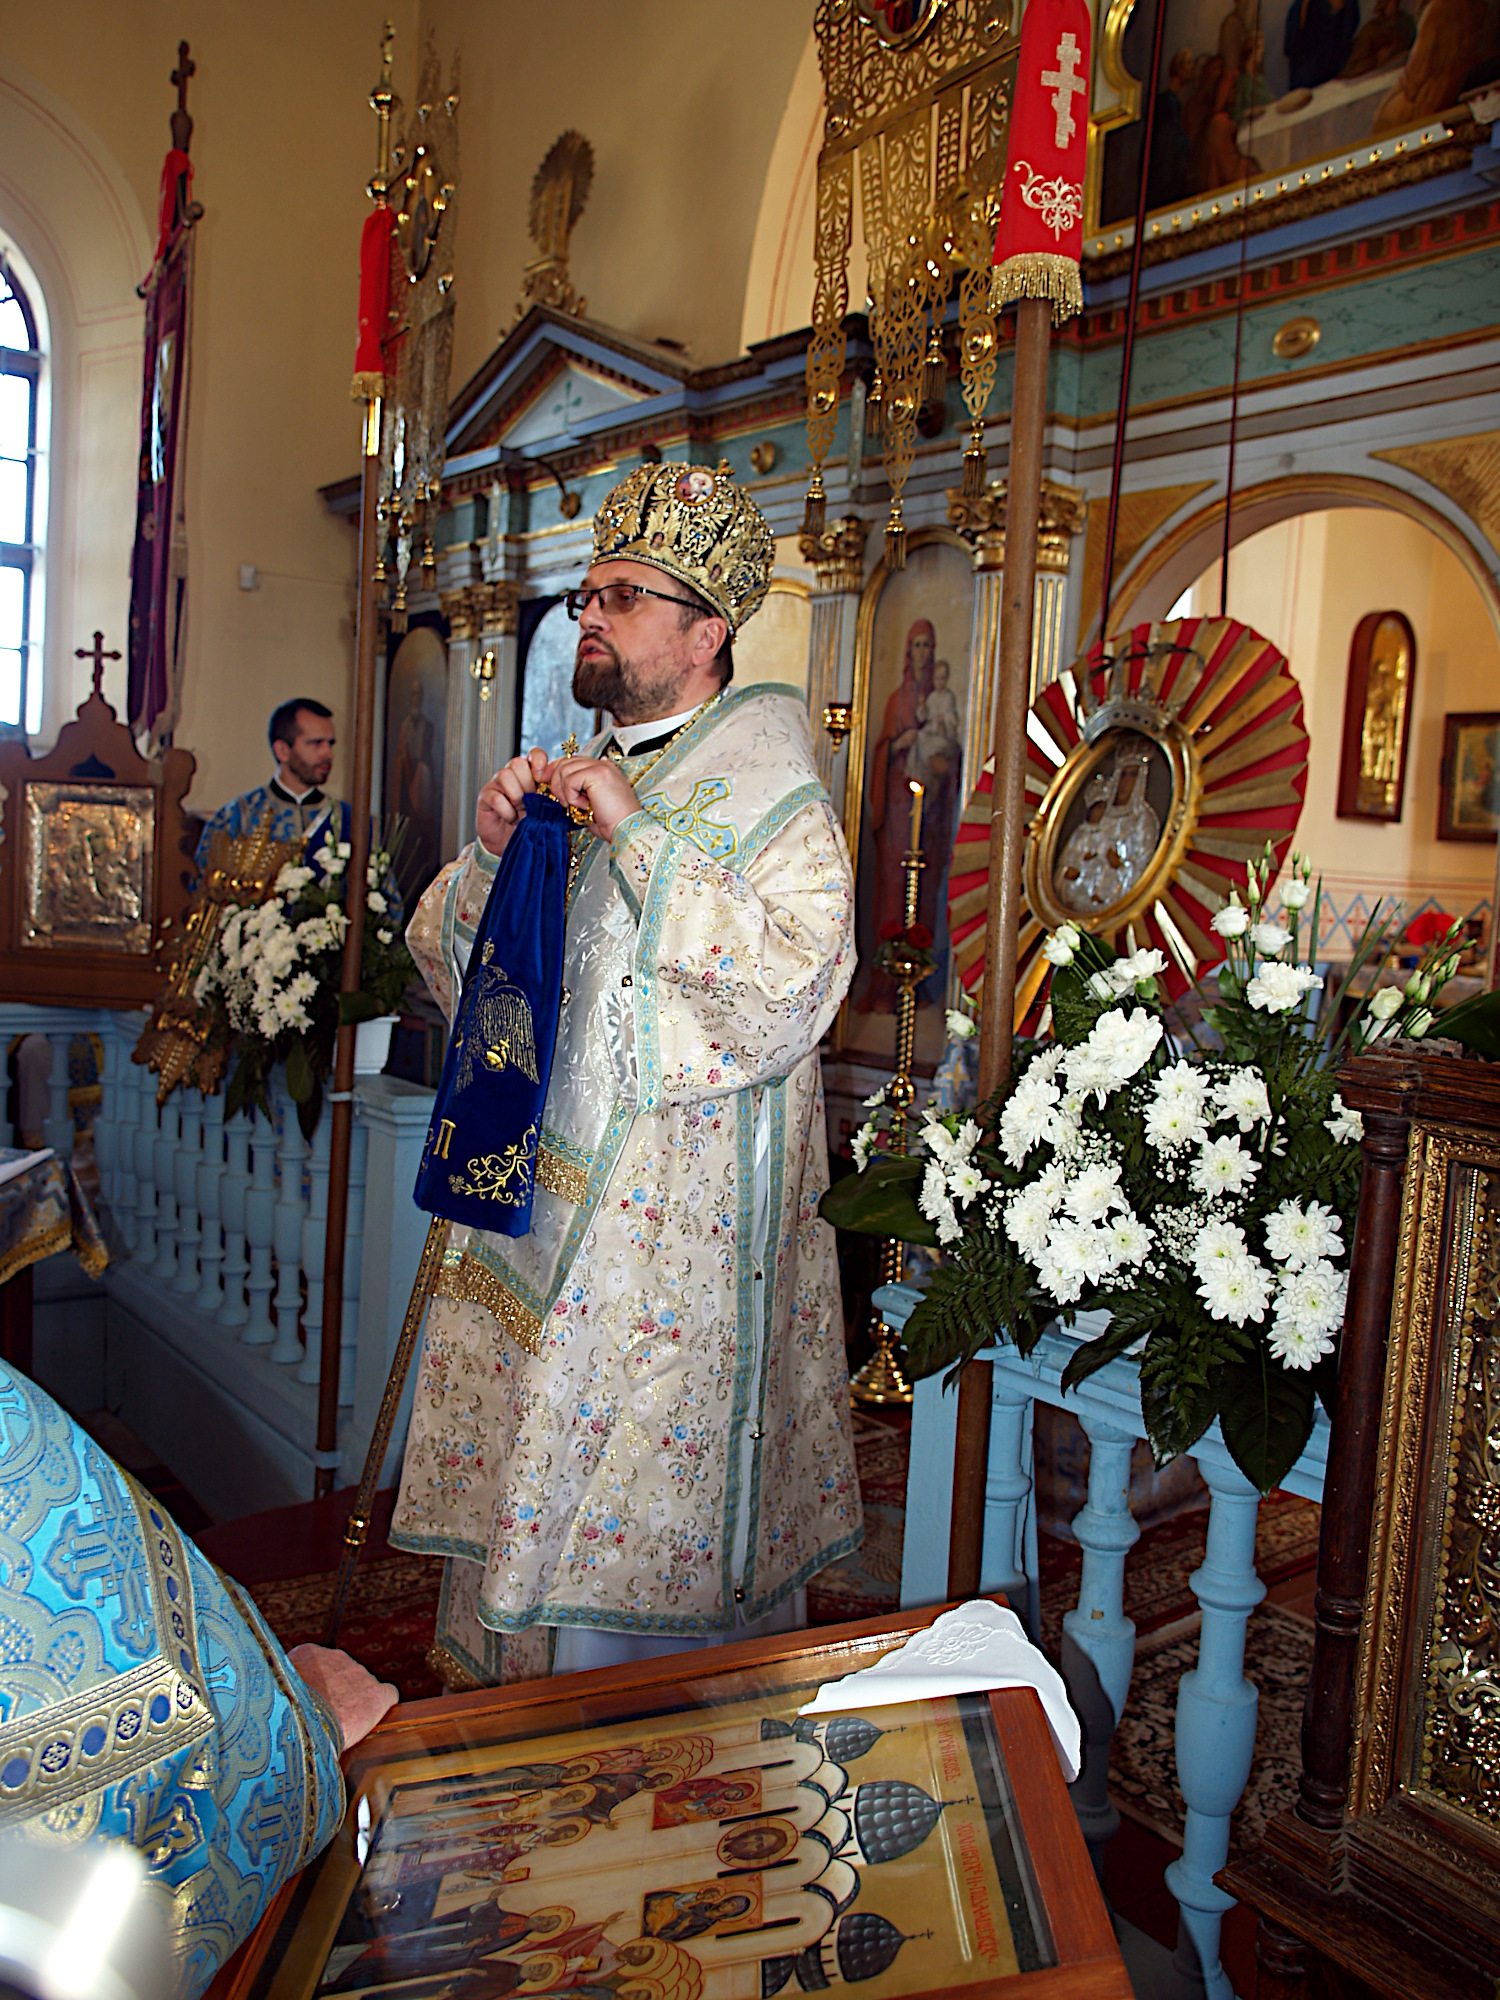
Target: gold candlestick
881,1380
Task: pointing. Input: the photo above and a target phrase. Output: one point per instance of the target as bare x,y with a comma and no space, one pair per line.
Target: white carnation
1119,1045
1218,1243
1294,893
1062,945
1270,939
1232,921
1385,1001
1130,1237
960,1025
375,901
291,879
386,937
1346,1126
1276,989
1294,1348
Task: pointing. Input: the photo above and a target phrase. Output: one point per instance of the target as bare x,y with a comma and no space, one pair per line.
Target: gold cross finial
97,654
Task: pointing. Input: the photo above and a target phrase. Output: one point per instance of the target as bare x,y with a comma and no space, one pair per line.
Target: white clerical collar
628,734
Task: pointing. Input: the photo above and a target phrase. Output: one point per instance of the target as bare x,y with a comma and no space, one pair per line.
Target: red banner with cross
1040,238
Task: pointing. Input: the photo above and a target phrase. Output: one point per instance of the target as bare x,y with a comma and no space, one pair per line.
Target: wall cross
97,654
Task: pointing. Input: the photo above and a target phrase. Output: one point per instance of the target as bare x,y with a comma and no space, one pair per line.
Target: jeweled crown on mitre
697,525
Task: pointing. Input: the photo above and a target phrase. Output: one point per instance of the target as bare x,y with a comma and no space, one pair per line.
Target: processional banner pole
369,387
1037,251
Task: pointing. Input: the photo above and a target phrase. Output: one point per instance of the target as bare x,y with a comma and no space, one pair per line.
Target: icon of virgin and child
920,738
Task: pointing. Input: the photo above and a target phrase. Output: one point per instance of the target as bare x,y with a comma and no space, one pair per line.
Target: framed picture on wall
416,732
911,696
1469,786
1378,702
548,714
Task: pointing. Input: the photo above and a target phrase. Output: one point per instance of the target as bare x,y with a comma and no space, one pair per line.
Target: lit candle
916,815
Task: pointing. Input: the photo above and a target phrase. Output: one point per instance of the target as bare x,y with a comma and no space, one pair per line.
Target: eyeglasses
615,599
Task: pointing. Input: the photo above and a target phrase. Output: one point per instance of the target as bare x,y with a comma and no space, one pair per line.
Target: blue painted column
1216,1715
260,1211
315,1247
1007,1490
58,1128
235,1312
395,1114
210,1294
189,1227
164,1175
287,1226
1098,1650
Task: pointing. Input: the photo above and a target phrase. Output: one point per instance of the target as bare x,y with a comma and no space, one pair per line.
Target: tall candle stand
881,1380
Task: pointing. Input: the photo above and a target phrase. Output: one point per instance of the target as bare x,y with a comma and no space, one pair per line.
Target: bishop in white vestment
634,1419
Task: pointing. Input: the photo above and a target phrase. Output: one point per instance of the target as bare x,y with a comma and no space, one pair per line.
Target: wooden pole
341,1098
1028,419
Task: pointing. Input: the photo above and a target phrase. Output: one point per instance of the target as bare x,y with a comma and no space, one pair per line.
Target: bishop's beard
624,689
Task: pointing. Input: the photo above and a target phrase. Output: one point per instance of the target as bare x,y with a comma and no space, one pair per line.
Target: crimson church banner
158,563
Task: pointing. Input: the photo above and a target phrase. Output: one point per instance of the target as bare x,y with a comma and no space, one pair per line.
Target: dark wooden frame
1089,1965
1357,1893
1452,725
95,746
1356,705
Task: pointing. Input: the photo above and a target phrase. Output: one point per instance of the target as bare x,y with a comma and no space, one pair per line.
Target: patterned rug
1142,1765
1157,1569
868,1583
388,1623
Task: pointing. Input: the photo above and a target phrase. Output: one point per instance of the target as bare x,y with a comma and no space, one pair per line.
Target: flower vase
372,1044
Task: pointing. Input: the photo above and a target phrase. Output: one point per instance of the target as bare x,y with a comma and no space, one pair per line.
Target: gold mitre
696,525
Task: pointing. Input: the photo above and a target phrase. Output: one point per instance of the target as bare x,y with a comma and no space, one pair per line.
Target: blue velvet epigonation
479,1163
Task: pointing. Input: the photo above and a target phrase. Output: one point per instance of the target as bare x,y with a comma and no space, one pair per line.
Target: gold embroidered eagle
498,1031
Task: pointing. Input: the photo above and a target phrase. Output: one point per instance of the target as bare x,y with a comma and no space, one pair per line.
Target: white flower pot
372,1044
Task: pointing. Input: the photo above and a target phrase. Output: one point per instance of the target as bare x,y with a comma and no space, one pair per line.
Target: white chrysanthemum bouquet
1200,1188
271,979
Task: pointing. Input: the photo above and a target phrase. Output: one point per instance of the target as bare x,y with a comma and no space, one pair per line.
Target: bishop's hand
596,785
498,812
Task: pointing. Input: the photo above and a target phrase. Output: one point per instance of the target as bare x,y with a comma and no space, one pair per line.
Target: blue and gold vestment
142,1697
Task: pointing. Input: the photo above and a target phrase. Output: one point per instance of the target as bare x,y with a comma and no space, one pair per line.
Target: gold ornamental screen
918,100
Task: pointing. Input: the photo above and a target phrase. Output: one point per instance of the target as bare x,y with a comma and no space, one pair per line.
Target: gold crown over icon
695,523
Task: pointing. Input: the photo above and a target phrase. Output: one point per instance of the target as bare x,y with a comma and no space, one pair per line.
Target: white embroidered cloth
976,1647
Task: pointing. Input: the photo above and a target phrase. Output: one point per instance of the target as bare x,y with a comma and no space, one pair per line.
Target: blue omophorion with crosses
479,1163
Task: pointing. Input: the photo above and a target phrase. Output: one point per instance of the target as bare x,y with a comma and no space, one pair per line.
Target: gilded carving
558,194
837,554
1461,1746
980,519
1467,469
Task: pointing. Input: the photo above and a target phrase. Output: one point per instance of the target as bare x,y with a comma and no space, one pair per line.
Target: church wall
681,107
1305,583
283,142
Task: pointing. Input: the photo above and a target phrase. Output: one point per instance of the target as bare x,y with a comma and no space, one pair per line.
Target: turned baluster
260,1209
1098,1648
1216,1711
164,1173
133,1089
287,1229
106,1125
189,1228
354,1236
210,1293
58,1129
145,1179
235,1310
315,1247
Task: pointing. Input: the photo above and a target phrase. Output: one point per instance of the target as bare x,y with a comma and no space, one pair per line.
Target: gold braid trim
560,1177
464,1277
1038,274
455,1679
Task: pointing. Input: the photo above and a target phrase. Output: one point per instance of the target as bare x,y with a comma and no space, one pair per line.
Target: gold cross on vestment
97,654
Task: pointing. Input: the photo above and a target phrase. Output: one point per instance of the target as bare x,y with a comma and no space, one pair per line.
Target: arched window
22,449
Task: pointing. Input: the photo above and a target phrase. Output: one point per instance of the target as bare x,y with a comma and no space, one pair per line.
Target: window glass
14,332
20,553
